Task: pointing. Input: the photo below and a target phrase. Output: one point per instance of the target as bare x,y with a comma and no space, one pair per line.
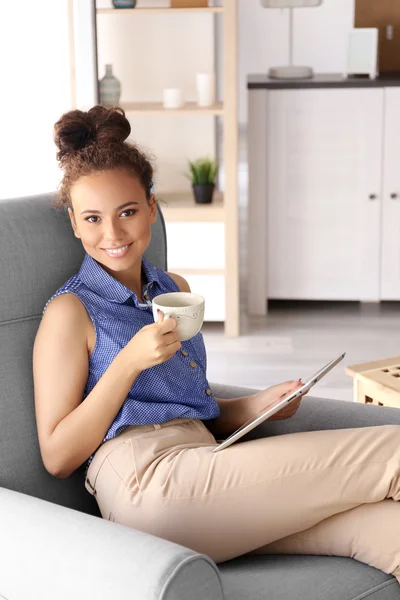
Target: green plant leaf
203,171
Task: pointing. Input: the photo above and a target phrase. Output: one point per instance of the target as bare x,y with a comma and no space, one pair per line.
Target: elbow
55,469
60,474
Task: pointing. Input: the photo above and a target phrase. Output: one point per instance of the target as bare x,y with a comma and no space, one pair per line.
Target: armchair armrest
48,551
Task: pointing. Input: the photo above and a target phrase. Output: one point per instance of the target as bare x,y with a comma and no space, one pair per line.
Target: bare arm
232,415
71,430
180,282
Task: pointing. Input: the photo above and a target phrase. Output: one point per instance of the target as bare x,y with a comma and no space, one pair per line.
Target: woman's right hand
153,344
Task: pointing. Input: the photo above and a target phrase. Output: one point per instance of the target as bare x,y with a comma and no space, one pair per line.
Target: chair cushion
291,577
38,253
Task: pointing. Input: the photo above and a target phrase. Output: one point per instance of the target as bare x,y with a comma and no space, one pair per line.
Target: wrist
128,363
234,413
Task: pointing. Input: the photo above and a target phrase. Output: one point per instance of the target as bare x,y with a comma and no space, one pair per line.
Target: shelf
143,11
181,206
189,108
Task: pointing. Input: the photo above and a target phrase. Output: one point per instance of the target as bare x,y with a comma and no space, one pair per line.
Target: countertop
322,80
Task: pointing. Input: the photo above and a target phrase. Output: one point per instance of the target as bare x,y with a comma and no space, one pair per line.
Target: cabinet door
390,284
324,181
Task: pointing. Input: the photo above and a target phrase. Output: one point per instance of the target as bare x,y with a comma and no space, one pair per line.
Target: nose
113,232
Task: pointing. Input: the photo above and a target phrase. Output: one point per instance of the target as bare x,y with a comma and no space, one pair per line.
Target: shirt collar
105,285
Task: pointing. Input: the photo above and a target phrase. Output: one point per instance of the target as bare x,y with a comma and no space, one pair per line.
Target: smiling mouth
117,252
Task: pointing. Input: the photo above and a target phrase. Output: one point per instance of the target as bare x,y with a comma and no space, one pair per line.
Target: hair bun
77,129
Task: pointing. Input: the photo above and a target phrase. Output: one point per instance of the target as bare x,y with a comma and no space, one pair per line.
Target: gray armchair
53,543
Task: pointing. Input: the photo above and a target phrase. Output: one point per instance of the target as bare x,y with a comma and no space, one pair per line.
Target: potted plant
203,173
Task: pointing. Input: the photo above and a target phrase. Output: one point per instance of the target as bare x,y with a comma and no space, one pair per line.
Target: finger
296,403
282,389
160,315
172,348
170,338
168,325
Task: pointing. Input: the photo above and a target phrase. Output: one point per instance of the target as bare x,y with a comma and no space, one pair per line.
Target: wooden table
377,382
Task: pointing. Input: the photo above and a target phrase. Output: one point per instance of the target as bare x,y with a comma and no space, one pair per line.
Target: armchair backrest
38,253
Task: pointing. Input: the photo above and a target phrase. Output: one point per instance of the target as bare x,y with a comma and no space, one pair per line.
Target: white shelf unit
158,108
215,226
158,10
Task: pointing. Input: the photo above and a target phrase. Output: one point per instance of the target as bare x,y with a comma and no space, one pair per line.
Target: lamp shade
289,3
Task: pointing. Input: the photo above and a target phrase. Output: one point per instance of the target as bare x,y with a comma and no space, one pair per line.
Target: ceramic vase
205,88
109,88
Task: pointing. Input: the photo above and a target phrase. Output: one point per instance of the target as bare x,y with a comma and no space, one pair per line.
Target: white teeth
119,251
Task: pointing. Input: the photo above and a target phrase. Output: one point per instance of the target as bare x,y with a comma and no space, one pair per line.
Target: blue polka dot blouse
177,388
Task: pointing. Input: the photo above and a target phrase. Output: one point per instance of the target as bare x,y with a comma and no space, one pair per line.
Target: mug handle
168,315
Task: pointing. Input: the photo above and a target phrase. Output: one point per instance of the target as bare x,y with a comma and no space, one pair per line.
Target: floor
296,339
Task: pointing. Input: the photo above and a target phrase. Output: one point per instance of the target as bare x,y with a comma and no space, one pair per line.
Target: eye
130,210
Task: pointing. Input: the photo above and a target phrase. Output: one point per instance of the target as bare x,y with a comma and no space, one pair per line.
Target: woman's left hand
259,402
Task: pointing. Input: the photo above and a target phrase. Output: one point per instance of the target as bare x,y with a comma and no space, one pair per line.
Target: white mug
172,98
185,307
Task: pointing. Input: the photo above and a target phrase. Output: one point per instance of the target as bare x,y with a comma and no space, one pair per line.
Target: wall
35,67
35,92
151,52
320,39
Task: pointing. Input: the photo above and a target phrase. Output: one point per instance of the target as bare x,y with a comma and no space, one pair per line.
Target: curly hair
94,141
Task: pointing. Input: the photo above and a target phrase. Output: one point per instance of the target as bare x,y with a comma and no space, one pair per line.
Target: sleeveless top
177,388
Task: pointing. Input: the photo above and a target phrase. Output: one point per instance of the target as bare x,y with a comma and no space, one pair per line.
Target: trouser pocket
97,463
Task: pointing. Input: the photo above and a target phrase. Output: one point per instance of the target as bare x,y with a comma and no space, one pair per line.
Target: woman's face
112,217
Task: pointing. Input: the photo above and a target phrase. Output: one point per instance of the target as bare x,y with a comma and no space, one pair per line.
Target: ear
153,209
73,222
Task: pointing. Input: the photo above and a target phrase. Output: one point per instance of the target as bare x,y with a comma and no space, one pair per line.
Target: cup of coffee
185,307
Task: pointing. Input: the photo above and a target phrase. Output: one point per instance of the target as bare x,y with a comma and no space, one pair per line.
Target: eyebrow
118,208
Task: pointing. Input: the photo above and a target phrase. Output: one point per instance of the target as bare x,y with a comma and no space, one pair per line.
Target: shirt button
193,364
208,392
184,353
146,297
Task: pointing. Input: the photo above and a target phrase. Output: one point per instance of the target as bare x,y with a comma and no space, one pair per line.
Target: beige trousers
320,492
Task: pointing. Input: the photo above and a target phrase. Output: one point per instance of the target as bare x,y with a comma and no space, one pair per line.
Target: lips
118,252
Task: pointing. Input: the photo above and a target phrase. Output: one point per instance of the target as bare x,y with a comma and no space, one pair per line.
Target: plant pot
124,3
203,192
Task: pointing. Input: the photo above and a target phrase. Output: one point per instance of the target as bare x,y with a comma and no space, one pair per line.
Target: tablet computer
279,404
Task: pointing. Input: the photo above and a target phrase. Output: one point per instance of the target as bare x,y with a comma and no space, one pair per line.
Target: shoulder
180,282
66,312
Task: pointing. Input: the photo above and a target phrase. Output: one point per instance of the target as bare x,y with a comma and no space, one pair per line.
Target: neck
134,279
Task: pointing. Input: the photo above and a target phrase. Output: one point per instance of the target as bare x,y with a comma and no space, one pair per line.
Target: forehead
106,189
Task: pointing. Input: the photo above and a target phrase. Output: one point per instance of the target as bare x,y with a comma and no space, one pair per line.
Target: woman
120,392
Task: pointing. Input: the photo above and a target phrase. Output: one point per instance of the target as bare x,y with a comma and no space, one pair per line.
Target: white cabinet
320,186
390,276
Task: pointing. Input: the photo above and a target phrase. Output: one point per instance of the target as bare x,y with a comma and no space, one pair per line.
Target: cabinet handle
394,196
373,196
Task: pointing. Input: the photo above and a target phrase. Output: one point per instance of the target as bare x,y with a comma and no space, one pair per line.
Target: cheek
142,228
89,235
